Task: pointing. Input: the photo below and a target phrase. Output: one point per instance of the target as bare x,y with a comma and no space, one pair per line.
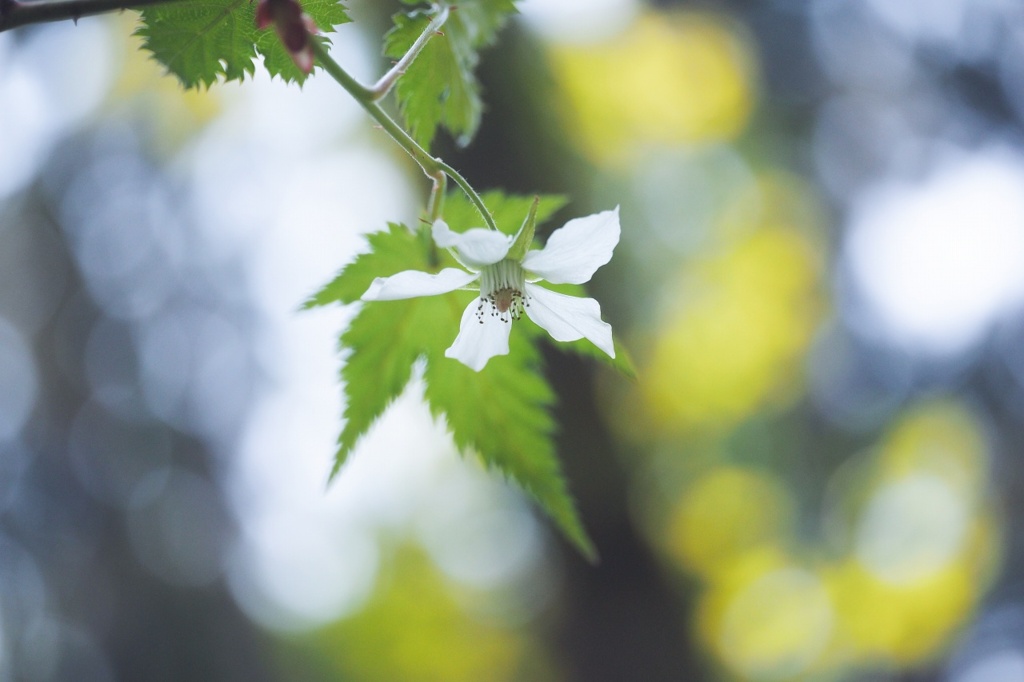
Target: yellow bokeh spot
724,514
925,543
673,79
899,623
767,618
744,321
942,438
891,590
415,628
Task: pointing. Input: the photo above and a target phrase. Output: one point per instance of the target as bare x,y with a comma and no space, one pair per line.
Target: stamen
501,291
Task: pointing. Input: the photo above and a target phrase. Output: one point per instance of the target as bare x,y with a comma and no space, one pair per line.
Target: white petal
569,318
479,342
575,252
477,247
413,283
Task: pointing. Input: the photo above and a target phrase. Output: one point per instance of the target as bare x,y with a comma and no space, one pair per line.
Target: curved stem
432,166
365,97
383,86
470,192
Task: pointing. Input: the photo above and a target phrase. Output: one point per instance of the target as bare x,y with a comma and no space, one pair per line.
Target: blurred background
817,475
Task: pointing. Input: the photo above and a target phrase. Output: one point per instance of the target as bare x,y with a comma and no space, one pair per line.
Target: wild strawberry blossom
508,286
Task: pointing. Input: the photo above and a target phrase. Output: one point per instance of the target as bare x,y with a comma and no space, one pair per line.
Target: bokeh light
939,259
815,475
664,80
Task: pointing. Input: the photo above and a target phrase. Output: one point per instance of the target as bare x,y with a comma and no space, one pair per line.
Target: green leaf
201,41
622,362
383,341
502,412
509,210
439,87
390,252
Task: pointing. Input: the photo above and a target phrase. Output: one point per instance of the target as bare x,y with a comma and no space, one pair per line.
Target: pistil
501,291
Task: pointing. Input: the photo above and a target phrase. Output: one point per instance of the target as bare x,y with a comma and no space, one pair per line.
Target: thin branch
383,86
431,166
14,13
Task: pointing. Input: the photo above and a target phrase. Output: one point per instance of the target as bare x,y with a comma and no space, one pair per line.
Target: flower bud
293,27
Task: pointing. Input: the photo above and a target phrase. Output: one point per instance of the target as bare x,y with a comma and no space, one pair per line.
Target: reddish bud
293,27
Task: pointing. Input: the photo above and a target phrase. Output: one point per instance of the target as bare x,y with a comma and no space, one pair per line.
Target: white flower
507,285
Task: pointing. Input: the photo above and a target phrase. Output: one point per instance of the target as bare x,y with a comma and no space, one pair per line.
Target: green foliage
439,87
200,41
419,625
623,361
390,252
383,342
508,210
502,412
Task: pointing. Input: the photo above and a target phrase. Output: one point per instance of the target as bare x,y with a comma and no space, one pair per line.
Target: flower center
501,291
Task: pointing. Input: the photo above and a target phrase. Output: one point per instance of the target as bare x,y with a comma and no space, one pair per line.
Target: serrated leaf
439,87
384,340
201,41
390,252
623,360
508,210
503,414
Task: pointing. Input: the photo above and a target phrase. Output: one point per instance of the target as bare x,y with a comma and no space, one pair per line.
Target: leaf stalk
383,86
432,166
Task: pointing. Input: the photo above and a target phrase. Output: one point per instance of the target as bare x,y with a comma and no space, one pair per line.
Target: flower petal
477,247
574,252
569,318
479,341
413,283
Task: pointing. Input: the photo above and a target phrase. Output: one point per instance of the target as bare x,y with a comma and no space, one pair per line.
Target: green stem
433,167
470,192
388,80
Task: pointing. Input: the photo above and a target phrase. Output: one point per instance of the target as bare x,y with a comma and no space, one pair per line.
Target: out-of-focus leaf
200,41
439,87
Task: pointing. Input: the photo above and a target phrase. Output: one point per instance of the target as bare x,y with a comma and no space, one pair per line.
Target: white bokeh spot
938,260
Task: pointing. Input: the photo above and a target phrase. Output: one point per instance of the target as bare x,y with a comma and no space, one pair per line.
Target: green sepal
507,209
524,240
